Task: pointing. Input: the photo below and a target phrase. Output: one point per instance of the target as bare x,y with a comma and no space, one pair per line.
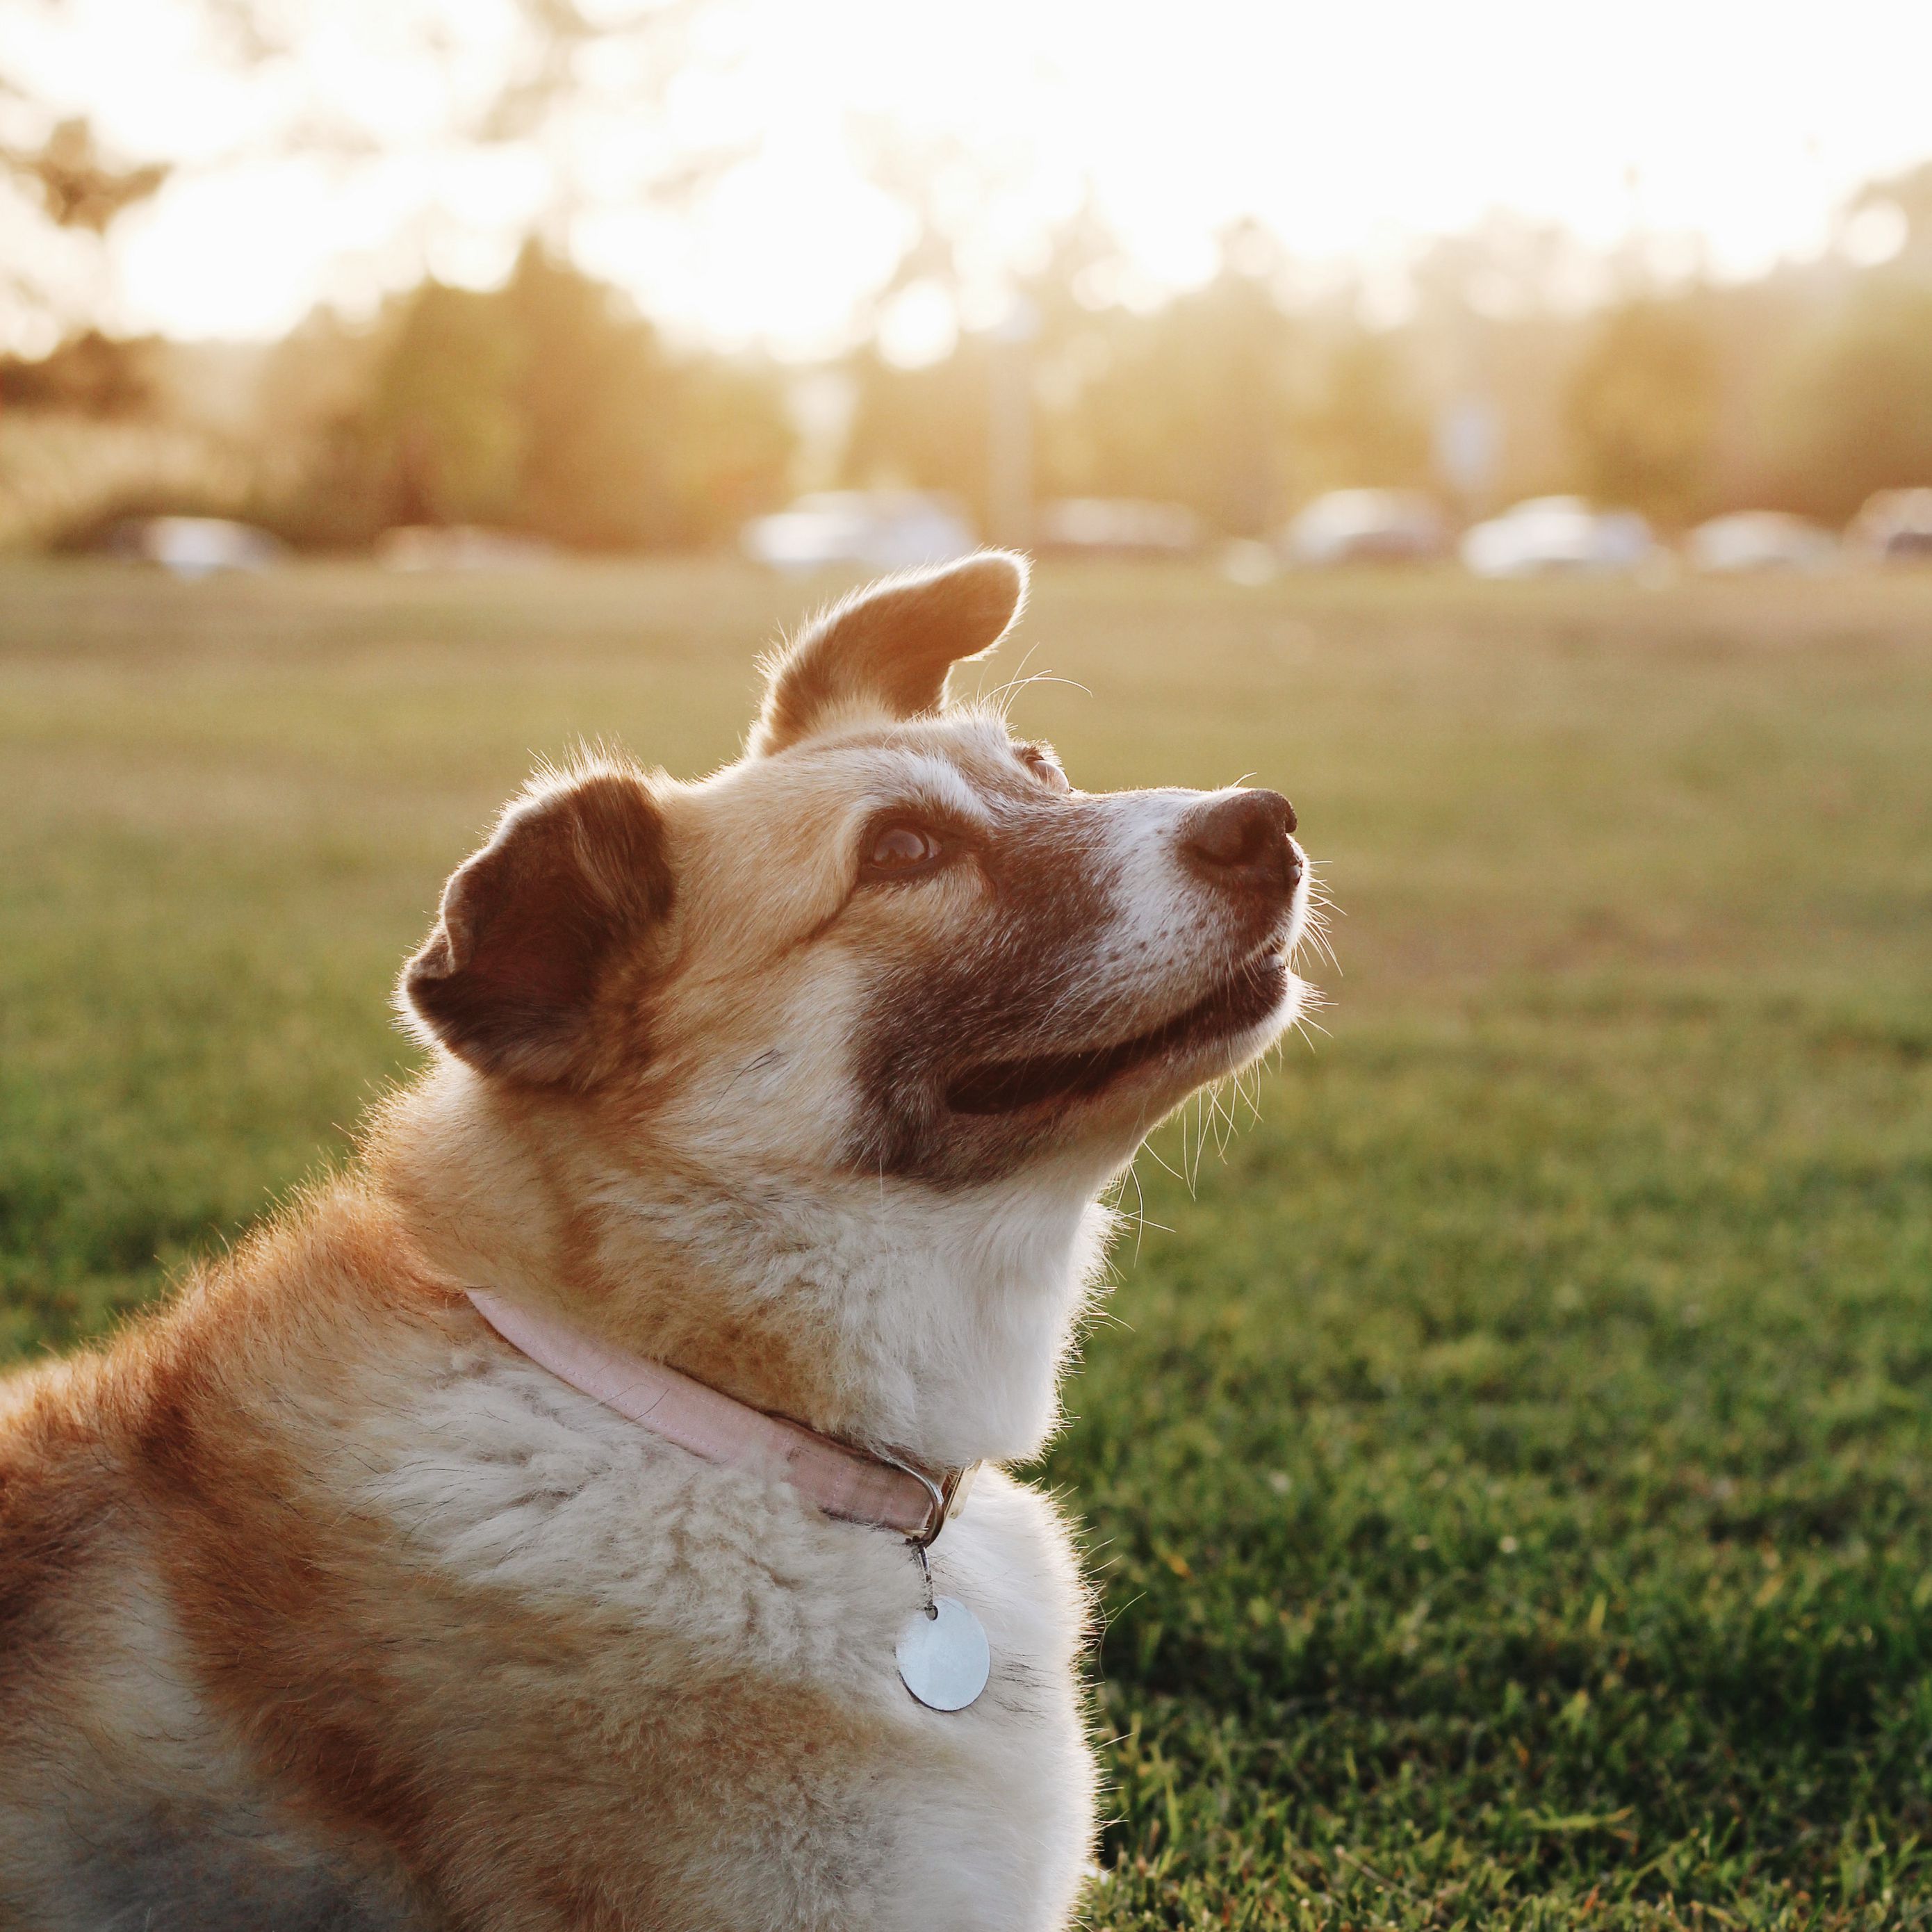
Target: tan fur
320,1606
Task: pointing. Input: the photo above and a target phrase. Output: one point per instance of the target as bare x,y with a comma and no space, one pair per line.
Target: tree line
549,405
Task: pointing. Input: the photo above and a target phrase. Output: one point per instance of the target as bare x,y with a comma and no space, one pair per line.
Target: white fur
953,1314
511,1481
948,1317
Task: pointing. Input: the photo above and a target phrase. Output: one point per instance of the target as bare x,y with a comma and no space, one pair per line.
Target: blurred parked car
1554,535
883,529
460,546
1750,540
1895,526
1117,526
193,546
1366,527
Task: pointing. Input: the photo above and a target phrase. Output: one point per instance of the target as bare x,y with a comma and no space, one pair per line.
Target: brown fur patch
59,1501
575,875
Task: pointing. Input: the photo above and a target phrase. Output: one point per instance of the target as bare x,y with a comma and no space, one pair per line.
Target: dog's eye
899,850
1041,761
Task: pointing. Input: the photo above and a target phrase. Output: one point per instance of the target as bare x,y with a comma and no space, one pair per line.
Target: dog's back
325,1610
127,1799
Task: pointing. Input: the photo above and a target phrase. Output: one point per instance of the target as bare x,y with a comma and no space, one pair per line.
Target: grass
1507,1465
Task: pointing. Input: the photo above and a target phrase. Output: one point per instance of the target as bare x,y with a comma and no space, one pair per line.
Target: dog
388,1576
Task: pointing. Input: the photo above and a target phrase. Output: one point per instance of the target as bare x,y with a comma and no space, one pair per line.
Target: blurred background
622,277
1506,1460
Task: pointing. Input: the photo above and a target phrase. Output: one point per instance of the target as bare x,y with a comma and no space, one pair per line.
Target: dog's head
892,940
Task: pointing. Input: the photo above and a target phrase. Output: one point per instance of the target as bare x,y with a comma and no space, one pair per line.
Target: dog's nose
1242,840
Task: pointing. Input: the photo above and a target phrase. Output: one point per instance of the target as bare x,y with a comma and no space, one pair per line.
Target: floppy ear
532,925
888,648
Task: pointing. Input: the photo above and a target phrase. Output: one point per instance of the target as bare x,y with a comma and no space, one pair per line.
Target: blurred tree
922,428
74,182
88,375
628,446
1191,402
538,63
1196,404
1366,426
1860,414
1643,408
547,406
929,427
442,424
592,394
64,185
730,455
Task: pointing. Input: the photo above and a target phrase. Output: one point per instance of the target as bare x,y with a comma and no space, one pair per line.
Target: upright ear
533,926
888,648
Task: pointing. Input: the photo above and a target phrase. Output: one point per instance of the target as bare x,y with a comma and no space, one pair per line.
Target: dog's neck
929,1324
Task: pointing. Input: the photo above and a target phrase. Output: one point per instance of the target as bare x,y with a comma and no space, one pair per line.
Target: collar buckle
948,1492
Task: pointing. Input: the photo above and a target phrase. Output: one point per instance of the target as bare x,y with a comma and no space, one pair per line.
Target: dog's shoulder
126,1794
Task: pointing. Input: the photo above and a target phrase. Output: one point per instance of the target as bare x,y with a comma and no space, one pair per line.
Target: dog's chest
717,1678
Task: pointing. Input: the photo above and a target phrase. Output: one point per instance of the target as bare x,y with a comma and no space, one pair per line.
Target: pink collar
843,1481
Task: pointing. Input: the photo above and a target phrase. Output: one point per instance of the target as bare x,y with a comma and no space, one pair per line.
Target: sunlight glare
1352,134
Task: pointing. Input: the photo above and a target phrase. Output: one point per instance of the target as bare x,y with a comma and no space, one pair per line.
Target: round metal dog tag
944,1658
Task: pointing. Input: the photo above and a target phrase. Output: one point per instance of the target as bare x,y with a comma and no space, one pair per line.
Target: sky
333,164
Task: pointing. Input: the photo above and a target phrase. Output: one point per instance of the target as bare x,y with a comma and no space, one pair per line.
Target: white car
881,530
1748,541
1556,536
1366,527
196,546
1895,526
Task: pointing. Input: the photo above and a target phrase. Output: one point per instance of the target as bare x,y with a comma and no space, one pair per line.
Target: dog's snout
1242,840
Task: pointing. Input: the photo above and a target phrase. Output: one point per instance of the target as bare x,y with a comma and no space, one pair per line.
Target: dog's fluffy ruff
386,1602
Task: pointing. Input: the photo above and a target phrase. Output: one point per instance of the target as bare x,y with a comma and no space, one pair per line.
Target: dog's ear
531,926
887,649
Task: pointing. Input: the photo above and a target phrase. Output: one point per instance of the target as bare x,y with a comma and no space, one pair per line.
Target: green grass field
1509,1466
